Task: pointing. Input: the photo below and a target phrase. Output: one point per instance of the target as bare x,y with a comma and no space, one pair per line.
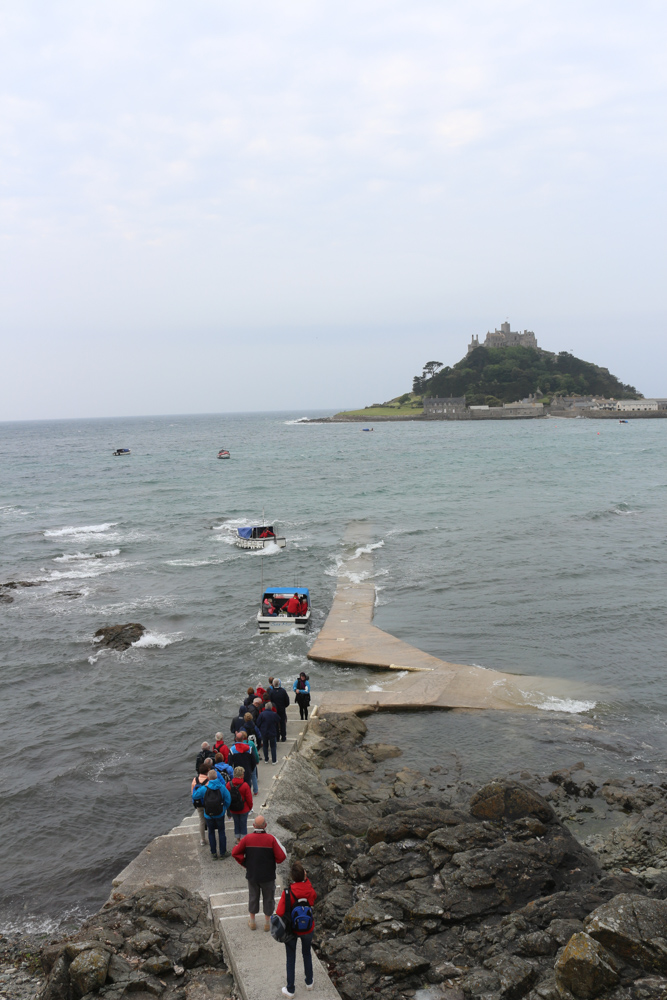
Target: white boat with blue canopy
279,612
258,536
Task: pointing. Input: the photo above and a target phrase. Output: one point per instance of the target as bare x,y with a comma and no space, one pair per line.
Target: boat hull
281,623
259,543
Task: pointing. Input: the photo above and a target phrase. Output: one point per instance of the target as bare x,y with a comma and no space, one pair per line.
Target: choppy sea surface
536,547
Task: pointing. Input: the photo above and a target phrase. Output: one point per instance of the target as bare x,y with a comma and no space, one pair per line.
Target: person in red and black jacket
259,852
299,889
221,747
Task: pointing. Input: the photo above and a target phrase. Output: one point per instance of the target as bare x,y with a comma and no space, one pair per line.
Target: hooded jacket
246,795
200,792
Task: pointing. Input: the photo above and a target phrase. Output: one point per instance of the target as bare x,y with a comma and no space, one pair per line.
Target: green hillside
496,375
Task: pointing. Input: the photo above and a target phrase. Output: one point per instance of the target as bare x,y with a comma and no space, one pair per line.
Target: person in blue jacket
268,724
301,688
215,807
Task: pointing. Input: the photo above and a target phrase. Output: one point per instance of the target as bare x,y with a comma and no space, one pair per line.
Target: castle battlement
504,337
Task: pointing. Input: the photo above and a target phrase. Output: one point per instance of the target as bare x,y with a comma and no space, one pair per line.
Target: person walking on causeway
281,701
216,801
301,688
259,852
244,754
268,724
201,780
296,908
221,747
241,802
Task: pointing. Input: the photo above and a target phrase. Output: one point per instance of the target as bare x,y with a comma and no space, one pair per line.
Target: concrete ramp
419,680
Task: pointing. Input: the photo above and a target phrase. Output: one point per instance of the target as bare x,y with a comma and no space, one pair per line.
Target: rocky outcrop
156,943
469,892
7,588
119,637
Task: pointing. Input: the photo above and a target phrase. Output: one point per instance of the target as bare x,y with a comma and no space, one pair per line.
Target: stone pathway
256,960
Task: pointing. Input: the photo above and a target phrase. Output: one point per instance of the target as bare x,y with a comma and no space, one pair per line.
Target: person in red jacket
240,816
299,890
221,747
259,852
293,606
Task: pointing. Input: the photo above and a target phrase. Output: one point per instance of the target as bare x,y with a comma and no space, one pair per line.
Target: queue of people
224,784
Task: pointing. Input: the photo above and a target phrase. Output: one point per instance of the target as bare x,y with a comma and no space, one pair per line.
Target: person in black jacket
281,701
268,724
238,722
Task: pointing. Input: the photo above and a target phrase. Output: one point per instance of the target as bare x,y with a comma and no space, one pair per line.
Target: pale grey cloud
181,180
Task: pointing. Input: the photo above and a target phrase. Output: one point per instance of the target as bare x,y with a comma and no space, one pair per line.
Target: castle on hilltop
504,337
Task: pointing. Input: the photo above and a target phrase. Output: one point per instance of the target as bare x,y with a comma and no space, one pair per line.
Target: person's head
259,823
270,681
212,775
205,745
204,769
297,872
209,763
276,682
302,675
239,772
251,691
258,702
297,596
219,738
247,717
219,758
269,706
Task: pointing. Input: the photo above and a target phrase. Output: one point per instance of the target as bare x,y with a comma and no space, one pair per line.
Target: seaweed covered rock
119,637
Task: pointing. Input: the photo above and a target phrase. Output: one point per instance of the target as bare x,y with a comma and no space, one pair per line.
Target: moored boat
284,608
259,536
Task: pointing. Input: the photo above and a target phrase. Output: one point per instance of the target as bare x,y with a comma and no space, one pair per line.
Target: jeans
283,726
255,786
213,824
240,824
270,741
290,953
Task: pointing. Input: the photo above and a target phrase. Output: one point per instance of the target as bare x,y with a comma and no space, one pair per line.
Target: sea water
535,547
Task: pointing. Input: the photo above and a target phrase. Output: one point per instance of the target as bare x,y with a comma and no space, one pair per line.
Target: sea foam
86,529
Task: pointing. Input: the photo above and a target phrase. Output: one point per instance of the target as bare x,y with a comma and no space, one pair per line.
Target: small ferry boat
622,421
121,451
223,453
259,536
273,615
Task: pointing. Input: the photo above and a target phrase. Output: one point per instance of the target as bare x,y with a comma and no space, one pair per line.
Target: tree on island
496,375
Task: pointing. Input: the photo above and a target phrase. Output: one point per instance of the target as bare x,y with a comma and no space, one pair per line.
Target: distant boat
223,453
367,429
622,421
259,536
273,615
121,451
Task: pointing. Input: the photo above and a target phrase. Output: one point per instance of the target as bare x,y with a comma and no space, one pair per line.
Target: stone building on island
504,337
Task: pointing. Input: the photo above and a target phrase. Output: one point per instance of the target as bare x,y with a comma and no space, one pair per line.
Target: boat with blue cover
258,536
279,612
121,451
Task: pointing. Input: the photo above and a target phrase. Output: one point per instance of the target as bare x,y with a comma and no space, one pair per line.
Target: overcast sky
284,204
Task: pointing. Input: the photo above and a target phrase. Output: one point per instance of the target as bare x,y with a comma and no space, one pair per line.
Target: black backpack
237,804
213,802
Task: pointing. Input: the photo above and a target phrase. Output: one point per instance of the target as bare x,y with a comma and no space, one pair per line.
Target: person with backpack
225,771
240,802
268,724
301,688
220,746
295,907
206,751
281,701
244,754
216,800
197,781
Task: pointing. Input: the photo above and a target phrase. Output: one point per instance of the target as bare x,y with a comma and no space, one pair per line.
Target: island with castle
509,377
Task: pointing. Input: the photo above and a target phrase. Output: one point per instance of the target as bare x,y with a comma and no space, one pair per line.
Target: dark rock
369,911
418,822
633,927
157,965
298,822
334,906
562,930
396,960
88,971
119,637
515,975
341,849
585,968
509,800
382,751
352,819
536,943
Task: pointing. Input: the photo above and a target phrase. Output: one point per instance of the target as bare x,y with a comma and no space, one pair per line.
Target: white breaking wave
365,550
301,420
153,639
83,574
553,704
77,556
197,562
86,529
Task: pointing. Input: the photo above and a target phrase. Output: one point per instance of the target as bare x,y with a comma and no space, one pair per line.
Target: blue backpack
302,915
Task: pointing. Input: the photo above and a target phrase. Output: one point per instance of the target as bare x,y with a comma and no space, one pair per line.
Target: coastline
553,414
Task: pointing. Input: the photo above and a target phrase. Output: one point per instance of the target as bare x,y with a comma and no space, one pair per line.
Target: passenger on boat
267,534
267,606
293,606
303,607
